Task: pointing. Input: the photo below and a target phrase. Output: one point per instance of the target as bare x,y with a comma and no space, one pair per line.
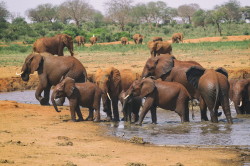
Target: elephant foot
89,119
44,101
97,120
116,120
79,120
138,124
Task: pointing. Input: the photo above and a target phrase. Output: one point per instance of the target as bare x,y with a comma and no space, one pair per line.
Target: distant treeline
77,17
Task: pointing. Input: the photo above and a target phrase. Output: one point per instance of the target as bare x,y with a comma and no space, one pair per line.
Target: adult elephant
240,95
168,68
138,38
124,41
213,86
93,40
50,70
109,80
177,37
159,47
54,45
80,40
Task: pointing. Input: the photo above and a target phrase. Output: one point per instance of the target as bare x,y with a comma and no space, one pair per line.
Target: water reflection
169,130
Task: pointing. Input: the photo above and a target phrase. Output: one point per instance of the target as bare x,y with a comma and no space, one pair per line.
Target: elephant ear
35,62
115,77
147,87
222,71
65,39
164,65
159,45
69,86
193,75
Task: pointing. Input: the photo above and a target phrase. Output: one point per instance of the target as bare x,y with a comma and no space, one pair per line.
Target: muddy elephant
131,110
86,94
54,45
138,38
159,47
50,69
109,80
168,68
167,95
177,38
80,40
240,95
157,38
124,41
213,86
93,40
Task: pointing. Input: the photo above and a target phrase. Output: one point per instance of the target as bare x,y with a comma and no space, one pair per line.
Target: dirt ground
38,135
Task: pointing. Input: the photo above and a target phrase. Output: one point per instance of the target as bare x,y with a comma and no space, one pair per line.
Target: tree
198,18
118,11
187,11
4,13
76,10
232,11
44,12
245,12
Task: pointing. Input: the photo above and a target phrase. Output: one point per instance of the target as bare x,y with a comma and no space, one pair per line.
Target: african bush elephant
159,47
240,95
167,95
213,86
138,38
177,37
124,41
168,68
54,45
157,39
109,80
131,110
50,69
93,40
86,94
80,40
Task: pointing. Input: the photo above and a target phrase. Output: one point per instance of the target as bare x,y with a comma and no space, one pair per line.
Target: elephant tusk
126,97
143,78
108,96
240,104
18,74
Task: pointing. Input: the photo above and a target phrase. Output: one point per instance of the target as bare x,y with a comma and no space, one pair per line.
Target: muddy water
169,130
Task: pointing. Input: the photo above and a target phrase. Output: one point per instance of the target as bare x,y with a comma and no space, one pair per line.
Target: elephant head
67,41
158,66
65,88
141,88
31,64
109,81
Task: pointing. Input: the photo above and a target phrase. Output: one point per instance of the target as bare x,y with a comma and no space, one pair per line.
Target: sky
18,7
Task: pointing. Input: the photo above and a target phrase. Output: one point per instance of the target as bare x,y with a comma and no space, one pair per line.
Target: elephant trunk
53,101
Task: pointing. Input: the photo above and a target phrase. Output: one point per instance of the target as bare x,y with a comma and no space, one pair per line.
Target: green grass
14,55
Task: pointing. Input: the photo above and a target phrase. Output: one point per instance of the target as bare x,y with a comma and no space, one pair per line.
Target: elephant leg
153,115
97,117
91,115
147,105
203,110
42,100
79,114
115,110
214,114
226,109
75,108
107,109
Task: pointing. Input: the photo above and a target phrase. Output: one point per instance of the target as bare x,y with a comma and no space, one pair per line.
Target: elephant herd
165,82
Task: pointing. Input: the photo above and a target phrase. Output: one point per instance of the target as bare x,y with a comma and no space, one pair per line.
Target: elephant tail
216,93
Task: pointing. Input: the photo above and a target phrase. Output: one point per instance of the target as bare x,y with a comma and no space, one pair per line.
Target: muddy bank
37,135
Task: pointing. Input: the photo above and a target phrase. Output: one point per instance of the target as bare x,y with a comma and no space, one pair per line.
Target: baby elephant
79,94
167,95
131,107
